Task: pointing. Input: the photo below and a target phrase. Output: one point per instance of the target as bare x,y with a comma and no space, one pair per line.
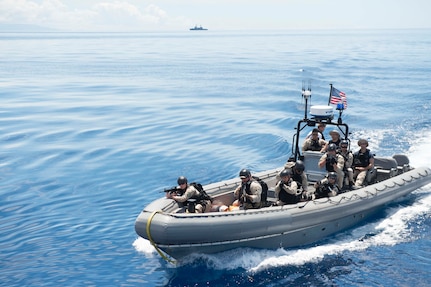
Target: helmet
332,175
332,147
334,132
181,180
244,173
299,165
344,142
285,172
362,141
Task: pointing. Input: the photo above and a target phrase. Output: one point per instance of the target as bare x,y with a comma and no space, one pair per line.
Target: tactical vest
246,188
329,166
298,178
287,197
346,158
362,159
315,145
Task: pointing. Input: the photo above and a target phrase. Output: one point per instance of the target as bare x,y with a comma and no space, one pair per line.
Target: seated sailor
286,190
299,175
363,161
320,128
335,139
348,161
333,162
314,143
248,194
327,187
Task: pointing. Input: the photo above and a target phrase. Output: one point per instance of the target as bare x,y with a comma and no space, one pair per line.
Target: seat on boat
403,162
311,160
385,167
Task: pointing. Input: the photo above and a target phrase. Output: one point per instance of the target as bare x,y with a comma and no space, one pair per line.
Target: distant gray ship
198,28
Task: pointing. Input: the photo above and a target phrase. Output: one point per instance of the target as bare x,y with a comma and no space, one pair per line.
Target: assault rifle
173,190
331,159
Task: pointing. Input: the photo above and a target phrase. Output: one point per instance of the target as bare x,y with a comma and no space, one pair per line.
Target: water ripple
89,136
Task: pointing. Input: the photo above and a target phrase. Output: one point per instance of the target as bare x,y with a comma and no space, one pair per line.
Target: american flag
338,97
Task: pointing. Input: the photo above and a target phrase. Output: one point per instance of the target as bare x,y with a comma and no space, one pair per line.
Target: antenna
306,94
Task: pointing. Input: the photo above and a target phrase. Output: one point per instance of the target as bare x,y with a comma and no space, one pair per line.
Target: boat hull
180,234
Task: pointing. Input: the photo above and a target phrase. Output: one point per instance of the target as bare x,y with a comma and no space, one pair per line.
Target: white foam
144,246
419,153
390,231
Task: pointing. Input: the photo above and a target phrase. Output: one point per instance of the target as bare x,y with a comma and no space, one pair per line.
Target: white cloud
102,16
138,15
19,10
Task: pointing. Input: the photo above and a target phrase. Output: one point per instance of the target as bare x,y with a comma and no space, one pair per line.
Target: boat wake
389,231
419,152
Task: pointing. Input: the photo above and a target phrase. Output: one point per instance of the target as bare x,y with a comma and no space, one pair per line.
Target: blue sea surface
93,127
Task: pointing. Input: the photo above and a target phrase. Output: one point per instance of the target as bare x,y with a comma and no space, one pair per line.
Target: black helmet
181,180
332,175
332,147
299,165
344,142
285,172
244,173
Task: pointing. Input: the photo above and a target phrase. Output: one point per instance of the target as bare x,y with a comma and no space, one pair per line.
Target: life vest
315,145
346,158
287,197
330,162
321,134
245,187
298,178
362,159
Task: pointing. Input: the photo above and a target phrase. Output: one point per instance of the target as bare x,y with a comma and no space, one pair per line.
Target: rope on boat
163,255
353,197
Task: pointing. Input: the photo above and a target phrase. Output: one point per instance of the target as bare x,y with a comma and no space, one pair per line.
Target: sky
179,15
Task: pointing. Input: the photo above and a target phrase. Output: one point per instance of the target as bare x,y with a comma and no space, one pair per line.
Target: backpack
264,195
203,194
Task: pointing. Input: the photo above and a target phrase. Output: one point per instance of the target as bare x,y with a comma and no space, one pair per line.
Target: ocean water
93,126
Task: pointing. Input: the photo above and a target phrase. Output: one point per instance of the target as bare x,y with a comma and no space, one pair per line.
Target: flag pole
330,93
